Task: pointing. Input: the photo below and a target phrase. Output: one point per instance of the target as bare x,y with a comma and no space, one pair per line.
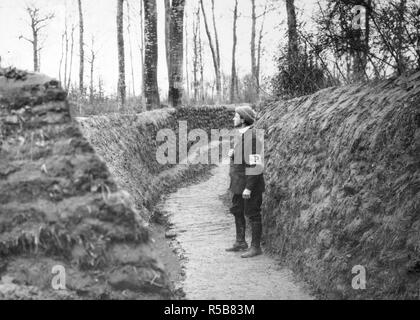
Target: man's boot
255,249
240,243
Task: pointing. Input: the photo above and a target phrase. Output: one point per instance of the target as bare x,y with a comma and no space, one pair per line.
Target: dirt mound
59,205
343,187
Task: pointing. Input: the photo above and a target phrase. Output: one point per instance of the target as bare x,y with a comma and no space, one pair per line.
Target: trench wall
343,187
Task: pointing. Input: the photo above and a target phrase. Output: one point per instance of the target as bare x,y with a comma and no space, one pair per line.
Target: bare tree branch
24,38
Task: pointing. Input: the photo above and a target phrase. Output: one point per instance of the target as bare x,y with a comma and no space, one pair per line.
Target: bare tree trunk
142,52
186,58
131,48
292,30
71,56
168,7
253,51
91,78
233,71
151,55
35,49
200,43
91,94
237,85
216,42
216,58
39,59
121,57
66,61
61,58
259,49
81,48
176,53
195,57
92,63
200,56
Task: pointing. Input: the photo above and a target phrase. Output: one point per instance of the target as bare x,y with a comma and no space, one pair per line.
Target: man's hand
246,194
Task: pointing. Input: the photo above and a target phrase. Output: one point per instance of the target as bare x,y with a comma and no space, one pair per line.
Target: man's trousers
250,208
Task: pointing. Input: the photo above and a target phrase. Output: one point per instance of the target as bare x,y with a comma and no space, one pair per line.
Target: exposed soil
168,257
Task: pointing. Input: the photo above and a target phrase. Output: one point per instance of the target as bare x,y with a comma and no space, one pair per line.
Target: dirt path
204,229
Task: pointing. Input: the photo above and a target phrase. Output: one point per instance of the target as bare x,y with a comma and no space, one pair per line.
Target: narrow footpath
204,228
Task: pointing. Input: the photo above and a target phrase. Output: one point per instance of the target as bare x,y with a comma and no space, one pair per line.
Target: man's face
237,120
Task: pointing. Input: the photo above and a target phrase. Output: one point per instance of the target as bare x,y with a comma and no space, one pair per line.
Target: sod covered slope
343,187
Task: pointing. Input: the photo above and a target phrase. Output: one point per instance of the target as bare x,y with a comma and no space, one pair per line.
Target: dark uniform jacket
247,163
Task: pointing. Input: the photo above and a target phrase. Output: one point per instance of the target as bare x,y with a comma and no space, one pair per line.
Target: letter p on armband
255,159
257,163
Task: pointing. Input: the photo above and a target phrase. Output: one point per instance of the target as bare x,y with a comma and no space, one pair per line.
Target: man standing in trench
247,181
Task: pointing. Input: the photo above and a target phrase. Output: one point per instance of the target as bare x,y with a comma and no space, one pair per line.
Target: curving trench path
204,228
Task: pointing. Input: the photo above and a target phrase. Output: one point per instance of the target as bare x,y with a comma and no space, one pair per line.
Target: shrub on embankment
343,187
60,206
128,144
